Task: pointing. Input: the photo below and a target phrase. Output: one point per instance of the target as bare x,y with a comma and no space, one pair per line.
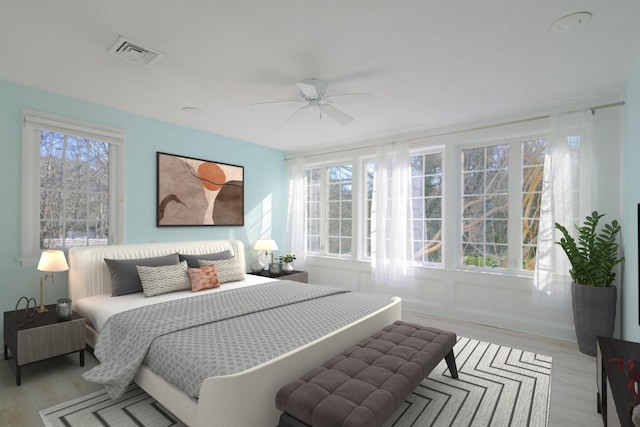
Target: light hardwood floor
573,378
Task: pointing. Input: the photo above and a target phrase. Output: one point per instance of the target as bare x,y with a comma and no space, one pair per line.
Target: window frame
450,146
515,143
445,188
356,227
32,124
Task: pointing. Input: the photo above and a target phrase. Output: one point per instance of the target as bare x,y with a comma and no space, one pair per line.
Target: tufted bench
367,382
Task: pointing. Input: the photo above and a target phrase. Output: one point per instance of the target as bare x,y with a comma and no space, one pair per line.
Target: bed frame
244,399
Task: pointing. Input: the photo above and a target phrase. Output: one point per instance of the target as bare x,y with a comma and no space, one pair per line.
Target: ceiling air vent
132,51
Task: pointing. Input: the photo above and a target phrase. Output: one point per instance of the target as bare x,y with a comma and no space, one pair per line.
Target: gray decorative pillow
124,275
192,260
164,279
228,269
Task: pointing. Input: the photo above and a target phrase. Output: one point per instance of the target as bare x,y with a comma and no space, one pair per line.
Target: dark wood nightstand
43,338
295,275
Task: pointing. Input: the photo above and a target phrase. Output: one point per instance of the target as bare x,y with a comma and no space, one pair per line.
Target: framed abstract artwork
197,192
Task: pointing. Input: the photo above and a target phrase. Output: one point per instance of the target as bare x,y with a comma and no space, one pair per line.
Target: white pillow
163,279
228,269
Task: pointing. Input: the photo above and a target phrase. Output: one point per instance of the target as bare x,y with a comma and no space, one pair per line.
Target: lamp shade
265,245
52,260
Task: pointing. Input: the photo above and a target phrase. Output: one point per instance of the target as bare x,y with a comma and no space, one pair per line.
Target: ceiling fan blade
296,116
350,98
337,115
309,90
271,103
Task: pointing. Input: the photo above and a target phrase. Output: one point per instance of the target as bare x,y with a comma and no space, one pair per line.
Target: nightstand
43,338
295,275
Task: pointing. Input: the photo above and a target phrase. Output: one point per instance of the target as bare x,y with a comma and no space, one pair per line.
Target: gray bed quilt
188,340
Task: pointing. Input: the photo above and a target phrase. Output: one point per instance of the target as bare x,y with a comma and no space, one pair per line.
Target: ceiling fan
313,93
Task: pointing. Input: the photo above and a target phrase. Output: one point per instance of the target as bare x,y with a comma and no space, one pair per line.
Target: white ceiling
427,63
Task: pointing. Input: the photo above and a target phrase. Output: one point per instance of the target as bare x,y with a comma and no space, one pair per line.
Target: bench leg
450,358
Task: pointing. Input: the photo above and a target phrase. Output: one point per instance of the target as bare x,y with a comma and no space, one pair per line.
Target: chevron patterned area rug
497,386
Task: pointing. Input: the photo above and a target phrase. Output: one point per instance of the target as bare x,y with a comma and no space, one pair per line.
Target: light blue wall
265,183
631,197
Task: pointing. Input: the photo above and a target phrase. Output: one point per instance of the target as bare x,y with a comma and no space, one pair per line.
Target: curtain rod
513,122
455,132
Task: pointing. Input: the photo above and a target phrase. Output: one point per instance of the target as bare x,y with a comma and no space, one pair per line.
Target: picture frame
198,192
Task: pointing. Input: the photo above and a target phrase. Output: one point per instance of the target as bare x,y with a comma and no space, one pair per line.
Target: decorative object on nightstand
286,260
274,269
265,245
63,309
26,316
51,261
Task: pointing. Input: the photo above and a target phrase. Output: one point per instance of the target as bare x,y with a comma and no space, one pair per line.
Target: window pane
433,164
473,183
485,206
427,207
313,244
74,191
433,207
472,207
339,206
496,206
533,155
473,160
433,185
312,216
434,229
370,170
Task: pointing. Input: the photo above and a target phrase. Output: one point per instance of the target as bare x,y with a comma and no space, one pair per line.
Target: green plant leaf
595,253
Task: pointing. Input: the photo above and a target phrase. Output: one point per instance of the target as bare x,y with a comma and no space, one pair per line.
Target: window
425,223
497,202
339,200
485,203
329,207
74,191
313,184
426,187
71,185
370,171
532,173
487,194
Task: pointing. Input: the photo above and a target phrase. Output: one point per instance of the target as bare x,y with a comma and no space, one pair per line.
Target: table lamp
51,261
265,245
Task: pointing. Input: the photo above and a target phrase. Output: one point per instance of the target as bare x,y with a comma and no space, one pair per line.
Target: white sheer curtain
391,239
568,191
296,212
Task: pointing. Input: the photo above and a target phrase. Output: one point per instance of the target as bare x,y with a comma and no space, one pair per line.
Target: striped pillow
228,269
164,279
203,278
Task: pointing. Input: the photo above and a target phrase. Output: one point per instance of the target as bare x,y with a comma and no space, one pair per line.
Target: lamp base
41,309
257,265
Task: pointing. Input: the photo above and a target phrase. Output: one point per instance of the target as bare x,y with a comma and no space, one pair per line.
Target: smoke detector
127,49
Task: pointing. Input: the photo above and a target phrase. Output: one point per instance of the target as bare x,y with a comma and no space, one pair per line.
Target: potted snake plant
592,257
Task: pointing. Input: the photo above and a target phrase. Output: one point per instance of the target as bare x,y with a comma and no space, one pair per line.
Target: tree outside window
74,191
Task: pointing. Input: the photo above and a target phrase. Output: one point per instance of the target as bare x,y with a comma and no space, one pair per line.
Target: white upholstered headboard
89,275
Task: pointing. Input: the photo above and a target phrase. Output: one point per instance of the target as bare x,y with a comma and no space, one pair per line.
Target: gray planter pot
594,314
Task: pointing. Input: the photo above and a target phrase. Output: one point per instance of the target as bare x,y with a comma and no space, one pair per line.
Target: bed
245,398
